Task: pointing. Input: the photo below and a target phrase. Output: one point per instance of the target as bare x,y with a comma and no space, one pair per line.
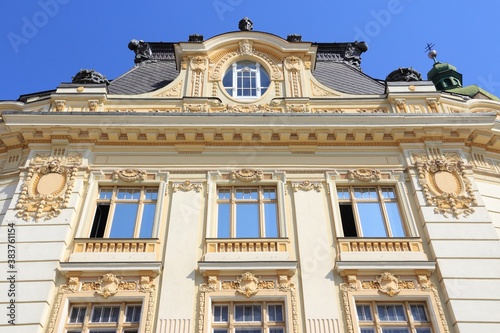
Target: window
246,79
93,318
124,212
370,212
248,318
247,212
393,317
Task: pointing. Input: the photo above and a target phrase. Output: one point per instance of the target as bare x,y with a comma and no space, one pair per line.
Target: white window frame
215,180
235,72
407,217
96,182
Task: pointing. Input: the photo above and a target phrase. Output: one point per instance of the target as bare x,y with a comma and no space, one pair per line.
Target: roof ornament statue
89,76
404,75
245,24
353,53
141,49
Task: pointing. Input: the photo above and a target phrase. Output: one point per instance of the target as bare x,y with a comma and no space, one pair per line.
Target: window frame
233,70
114,201
410,323
100,179
404,206
261,201
87,325
216,179
231,325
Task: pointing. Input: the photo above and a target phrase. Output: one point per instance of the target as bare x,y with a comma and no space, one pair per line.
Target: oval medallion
50,184
446,182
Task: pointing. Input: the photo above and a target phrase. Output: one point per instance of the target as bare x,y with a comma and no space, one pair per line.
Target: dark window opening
100,218
348,224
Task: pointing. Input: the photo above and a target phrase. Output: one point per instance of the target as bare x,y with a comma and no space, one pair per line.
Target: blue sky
46,42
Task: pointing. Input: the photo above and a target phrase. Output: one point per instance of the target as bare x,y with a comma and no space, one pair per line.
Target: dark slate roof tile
344,78
145,77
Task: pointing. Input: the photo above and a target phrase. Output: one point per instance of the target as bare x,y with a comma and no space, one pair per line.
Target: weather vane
432,54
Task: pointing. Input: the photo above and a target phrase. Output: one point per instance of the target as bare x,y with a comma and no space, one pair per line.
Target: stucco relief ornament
129,175
108,285
306,185
446,186
47,188
246,47
292,63
388,284
364,175
187,186
198,63
246,175
247,284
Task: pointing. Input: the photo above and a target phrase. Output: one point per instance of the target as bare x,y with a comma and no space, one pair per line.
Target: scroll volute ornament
47,187
446,186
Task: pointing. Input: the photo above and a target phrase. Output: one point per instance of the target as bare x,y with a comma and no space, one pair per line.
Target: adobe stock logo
381,19
223,6
31,27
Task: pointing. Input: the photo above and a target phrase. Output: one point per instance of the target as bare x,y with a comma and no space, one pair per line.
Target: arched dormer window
246,80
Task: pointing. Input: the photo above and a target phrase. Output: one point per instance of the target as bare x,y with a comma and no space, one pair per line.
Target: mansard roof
334,68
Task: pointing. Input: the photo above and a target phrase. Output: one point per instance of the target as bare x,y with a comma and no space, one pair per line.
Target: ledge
377,267
253,266
115,267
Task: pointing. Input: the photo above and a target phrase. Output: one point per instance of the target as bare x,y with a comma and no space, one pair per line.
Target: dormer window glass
246,80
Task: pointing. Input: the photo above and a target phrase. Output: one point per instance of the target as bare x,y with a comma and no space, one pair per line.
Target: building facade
250,183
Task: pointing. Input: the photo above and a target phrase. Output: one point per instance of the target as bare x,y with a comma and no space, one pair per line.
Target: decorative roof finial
432,54
245,24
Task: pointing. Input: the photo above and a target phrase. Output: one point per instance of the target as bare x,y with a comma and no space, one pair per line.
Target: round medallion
50,183
446,182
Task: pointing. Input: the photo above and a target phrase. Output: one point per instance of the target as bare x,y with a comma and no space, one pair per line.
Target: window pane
151,194
238,313
223,221
367,330
364,312
220,330
220,313
388,193
247,220
247,193
276,330
248,330
133,314
129,193
275,313
270,220
395,330
77,314
372,222
391,312
365,193
105,193
224,193
395,219
424,330
269,193
148,214
343,193
123,221
418,313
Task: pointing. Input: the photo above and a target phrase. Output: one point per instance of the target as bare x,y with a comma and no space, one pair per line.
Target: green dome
444,76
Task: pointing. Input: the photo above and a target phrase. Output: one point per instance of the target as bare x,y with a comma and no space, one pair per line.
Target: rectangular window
260,317
247,212
124,212
370,212
393,317
96,318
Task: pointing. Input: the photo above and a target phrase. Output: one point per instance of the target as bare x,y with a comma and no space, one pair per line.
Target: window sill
381,249
115,249
247,249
